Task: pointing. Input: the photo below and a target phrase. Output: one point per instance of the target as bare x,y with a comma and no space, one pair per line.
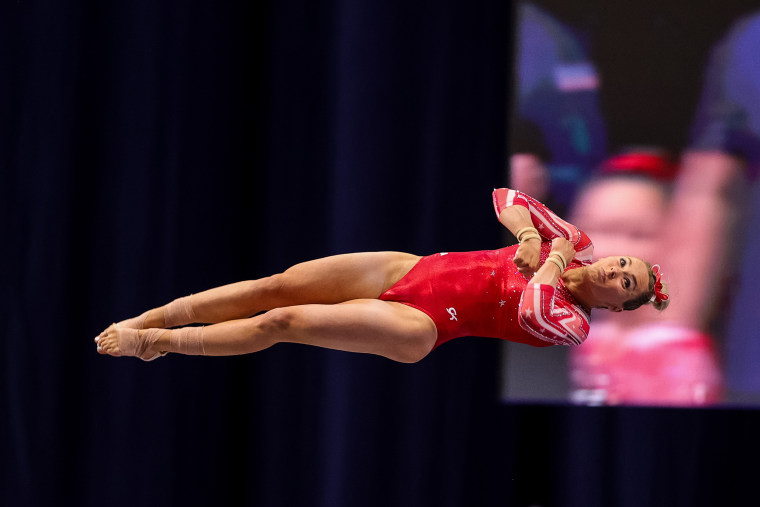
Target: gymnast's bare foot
123,341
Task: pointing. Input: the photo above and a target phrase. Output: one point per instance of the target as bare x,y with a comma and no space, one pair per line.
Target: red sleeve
551,319
549,225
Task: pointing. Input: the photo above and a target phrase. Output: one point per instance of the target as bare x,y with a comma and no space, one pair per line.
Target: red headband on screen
654,166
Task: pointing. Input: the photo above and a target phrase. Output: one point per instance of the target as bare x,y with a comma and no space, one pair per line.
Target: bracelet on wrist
557,263
559,260
526,237
527,233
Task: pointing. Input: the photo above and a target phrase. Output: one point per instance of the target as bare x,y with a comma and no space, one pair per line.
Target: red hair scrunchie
658,294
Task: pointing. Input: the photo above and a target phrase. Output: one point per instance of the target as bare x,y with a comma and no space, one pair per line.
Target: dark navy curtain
154,149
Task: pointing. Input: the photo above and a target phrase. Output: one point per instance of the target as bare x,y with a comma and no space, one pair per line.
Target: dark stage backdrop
154,149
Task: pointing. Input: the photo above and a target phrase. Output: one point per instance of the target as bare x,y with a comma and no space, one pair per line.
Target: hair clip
658,294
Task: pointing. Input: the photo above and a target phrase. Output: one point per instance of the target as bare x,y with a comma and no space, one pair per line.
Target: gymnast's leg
370,326
328,280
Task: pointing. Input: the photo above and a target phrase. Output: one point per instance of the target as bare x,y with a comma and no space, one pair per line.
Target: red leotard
483,294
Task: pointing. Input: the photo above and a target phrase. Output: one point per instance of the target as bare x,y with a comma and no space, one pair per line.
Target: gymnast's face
615,280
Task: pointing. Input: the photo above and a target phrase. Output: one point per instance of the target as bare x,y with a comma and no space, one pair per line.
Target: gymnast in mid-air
402,306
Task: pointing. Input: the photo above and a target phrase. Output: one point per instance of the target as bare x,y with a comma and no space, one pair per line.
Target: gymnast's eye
627,283
622,262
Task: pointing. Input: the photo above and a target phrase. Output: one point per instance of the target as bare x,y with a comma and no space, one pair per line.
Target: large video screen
639,122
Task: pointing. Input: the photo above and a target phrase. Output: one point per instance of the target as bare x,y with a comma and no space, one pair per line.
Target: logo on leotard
453,312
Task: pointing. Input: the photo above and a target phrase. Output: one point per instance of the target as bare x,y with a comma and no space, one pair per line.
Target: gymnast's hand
528,257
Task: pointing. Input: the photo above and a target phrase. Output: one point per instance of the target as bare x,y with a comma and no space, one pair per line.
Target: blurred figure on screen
528,158
642,358
717,196
557,101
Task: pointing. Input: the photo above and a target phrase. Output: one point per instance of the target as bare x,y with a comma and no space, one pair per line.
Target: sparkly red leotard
483,294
